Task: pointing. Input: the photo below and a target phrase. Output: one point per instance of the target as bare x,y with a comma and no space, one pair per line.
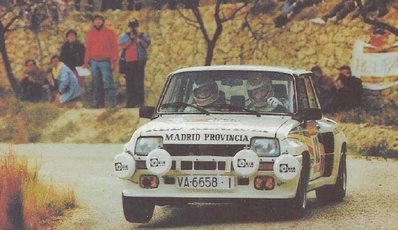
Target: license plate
205,182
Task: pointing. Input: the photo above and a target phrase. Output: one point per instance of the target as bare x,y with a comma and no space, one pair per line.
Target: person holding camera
128,65
142,42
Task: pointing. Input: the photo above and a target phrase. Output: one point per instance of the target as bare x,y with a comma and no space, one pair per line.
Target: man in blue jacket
67,84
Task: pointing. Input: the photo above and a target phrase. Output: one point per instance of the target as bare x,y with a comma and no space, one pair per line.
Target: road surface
371,202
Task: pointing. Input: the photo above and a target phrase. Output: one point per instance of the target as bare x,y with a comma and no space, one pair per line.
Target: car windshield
253,92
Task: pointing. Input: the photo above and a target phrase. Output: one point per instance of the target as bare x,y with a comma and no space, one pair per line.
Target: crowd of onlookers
102,51
63,83
365,8
343,93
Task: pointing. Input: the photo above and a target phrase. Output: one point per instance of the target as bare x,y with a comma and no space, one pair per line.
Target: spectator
379,37
67,85
325,89
338,12
143,42
291,8
349,89
33,82
90,5
261,96
130,55
379,6
102,54
72,53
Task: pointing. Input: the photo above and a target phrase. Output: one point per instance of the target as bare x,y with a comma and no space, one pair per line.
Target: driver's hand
274,102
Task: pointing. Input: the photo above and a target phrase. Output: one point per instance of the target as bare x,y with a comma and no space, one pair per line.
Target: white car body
197,150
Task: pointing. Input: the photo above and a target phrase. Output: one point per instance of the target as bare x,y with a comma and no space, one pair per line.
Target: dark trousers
134,84
31,91
340,11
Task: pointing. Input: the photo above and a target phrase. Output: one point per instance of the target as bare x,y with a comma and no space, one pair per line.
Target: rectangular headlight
265,147
145,145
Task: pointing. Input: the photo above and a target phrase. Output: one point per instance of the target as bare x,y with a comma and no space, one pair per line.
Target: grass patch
371,131
26,202
23,122
385,115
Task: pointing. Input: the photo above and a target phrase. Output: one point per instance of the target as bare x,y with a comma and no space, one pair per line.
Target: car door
307,99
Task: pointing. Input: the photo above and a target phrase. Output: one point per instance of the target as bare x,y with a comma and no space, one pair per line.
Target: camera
133,23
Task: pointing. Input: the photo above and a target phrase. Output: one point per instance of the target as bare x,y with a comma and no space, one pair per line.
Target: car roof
242,68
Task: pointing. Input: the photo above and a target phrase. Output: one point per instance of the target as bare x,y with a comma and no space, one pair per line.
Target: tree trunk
209,53
7,66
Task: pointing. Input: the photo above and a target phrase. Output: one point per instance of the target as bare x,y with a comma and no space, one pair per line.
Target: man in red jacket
102,54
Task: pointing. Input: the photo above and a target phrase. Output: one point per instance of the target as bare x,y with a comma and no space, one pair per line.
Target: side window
306,94
302,98
312,99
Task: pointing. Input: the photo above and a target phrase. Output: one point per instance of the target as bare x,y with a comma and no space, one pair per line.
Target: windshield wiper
235,108
180,104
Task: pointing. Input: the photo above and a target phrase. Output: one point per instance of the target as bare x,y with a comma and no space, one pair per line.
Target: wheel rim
344,178
304,202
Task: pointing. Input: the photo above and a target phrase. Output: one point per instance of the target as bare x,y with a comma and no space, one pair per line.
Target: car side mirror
146,111
312,114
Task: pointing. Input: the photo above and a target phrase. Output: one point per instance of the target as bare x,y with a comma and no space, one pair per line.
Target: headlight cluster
145,145
265,147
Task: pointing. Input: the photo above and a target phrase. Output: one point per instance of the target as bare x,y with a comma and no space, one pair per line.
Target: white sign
374,65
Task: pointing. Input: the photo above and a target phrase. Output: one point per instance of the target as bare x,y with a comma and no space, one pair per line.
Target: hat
345,67
316,69
134,23
71,31
124,38
98,16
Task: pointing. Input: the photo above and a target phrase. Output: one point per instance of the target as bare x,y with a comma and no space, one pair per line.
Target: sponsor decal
242,163
284,168
155,162
206,137
120,167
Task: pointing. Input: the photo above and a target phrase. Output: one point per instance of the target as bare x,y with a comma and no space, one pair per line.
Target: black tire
137,210
299,208
336,192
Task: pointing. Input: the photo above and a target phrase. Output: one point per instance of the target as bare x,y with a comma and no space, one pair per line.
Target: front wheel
299,208
336,192
137,210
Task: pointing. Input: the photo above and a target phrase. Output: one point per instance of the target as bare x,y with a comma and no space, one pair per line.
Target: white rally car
233,134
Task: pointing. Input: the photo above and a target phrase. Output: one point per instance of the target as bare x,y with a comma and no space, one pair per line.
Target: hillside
175,43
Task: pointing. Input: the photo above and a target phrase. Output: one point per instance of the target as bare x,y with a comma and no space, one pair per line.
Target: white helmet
259,89
205,92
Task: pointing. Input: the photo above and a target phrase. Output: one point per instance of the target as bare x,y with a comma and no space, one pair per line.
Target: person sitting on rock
33,82
291,8
340,11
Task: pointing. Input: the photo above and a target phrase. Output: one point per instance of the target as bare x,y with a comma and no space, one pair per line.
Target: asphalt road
371,202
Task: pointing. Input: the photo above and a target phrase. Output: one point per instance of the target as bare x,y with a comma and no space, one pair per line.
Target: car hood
212,129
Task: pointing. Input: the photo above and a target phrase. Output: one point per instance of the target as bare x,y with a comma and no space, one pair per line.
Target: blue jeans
102,81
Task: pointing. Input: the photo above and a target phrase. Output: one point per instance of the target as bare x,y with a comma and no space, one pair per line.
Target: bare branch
233,13
196,12
12,20
256,35
186,18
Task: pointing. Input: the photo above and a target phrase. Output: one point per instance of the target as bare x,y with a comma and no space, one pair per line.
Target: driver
261,95
206,93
